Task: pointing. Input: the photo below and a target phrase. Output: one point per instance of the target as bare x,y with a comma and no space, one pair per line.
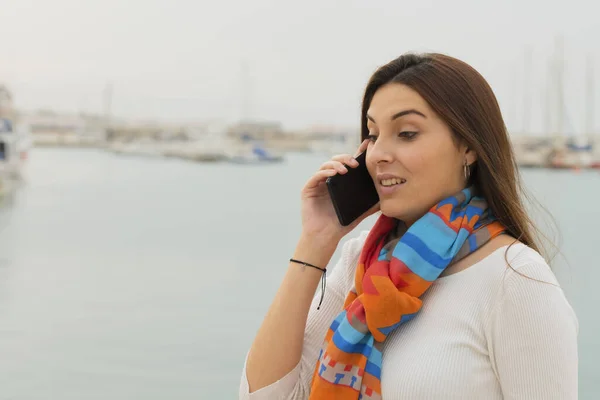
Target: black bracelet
308,265
323,280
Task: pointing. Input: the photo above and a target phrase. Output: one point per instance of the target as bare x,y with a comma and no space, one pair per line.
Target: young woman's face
412,156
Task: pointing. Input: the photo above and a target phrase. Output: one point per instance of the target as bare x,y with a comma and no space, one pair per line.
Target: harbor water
129,278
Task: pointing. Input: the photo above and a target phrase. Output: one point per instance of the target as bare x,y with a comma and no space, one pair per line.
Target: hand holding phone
326,217
353,193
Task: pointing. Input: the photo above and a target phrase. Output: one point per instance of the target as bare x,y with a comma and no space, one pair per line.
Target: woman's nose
380,153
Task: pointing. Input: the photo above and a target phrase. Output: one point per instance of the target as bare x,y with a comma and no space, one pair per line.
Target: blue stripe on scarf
416,263
373,366
438,236
364,347
427,254
376,357
422,248
336,322
472,242
373,369
450,200
349,334
468,210
435,230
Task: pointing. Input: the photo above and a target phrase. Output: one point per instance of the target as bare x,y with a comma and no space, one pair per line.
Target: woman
447,296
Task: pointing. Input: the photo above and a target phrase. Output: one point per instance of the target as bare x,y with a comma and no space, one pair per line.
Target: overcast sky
306,61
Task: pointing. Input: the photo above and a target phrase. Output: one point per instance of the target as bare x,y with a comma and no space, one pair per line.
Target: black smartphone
352,193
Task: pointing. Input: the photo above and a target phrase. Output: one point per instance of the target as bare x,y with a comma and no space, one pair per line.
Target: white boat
15,145
141,147
596,154
574,153
254,155
15,142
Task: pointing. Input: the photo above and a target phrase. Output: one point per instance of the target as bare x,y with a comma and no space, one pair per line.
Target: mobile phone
352,193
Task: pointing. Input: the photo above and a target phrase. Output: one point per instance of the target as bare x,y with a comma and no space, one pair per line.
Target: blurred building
7,108
50,127
259,131
322,138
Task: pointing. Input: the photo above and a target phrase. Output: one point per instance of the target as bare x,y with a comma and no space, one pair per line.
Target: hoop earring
467,171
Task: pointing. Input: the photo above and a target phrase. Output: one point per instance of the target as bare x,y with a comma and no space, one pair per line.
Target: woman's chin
391,212
401,213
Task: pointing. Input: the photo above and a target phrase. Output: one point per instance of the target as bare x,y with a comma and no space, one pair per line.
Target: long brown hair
466,102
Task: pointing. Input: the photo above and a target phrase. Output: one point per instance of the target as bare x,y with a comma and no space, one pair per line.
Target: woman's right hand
319,219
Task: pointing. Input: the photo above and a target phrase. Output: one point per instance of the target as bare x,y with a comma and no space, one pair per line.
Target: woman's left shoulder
520,260
527,287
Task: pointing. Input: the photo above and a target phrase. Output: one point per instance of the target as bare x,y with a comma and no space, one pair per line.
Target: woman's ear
470,155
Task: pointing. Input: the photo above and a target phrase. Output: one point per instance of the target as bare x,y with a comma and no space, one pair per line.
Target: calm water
132,278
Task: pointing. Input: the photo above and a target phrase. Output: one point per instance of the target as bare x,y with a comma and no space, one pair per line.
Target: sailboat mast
589,110
560,87
513,103
527,92
108,93
548,128
246,95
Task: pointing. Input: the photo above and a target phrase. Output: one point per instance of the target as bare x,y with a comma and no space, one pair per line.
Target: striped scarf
396,266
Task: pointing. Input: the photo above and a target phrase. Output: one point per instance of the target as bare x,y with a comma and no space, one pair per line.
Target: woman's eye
372,137
408,134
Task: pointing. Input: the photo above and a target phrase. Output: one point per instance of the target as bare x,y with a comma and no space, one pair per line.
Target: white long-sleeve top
483,333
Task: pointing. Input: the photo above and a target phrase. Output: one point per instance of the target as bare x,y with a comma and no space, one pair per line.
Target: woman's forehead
394,98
